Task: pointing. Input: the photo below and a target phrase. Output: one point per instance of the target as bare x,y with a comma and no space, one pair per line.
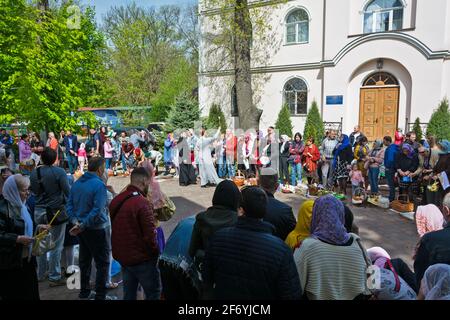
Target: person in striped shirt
331,263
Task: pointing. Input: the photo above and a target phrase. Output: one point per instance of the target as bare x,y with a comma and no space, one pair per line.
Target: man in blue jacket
71,144
390,155
247,262
87,210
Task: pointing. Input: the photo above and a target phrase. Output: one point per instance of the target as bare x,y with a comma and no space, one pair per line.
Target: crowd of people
122,153
318,256
413,167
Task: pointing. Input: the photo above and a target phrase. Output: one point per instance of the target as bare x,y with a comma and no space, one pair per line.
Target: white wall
423,82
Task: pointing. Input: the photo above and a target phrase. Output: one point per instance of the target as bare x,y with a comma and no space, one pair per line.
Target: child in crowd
356,177
82,157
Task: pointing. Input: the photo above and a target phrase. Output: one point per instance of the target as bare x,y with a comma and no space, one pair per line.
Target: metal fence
410,126
336,126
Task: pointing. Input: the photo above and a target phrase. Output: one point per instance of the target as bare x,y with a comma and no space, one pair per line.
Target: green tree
314,125
216,119
183,113
56,71
439,125
17,35
150,59
284,123
417,129
180,77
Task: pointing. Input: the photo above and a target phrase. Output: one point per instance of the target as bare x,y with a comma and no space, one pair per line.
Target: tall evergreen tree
183,113
284,123
216,119
417,129
314,125
439,125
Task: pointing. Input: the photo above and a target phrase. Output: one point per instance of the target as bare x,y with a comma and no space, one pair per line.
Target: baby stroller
179,276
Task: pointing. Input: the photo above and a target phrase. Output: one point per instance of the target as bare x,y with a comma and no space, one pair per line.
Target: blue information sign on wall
335,100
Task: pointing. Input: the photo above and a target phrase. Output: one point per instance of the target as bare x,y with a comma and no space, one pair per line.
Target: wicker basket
239,179
313,191
402,205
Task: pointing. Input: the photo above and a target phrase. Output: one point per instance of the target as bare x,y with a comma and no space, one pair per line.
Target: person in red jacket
310,157
134,241
399,137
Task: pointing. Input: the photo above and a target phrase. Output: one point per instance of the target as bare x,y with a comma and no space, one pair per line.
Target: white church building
376,63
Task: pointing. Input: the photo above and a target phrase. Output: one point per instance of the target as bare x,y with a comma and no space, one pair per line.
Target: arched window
381,79
234,106
383,15
297,27
296,96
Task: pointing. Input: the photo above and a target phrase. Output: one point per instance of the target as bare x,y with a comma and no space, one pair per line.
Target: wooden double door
378,112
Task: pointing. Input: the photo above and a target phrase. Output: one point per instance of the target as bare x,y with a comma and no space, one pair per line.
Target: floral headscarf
328,221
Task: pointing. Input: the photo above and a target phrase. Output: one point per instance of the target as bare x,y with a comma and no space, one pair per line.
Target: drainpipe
323,57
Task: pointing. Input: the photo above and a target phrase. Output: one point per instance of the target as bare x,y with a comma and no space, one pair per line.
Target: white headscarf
12,195
436,282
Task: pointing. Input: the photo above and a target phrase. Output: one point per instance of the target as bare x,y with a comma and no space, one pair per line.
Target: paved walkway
377,227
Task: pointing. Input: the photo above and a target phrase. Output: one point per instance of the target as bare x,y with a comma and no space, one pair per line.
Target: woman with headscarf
284,156
302,229
428,219
222,214
187,170
360,154
392,286
331,263
310,158
343,157
436,283
18,275
373,163
295,160
163,207
442,170
380,258
407,163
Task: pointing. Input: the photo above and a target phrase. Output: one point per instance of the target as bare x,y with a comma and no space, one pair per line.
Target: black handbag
51,212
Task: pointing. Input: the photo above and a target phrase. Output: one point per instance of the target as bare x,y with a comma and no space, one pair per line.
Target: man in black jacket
434,246
246,261
278,213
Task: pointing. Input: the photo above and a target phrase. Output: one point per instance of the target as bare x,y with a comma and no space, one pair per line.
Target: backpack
390,156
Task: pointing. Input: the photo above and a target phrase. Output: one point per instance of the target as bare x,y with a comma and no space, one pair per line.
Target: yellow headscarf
302,229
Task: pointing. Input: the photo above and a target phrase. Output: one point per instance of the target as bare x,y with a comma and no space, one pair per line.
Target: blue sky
102,6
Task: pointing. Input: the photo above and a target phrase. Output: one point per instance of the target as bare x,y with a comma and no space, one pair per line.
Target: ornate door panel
368,113
388,112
